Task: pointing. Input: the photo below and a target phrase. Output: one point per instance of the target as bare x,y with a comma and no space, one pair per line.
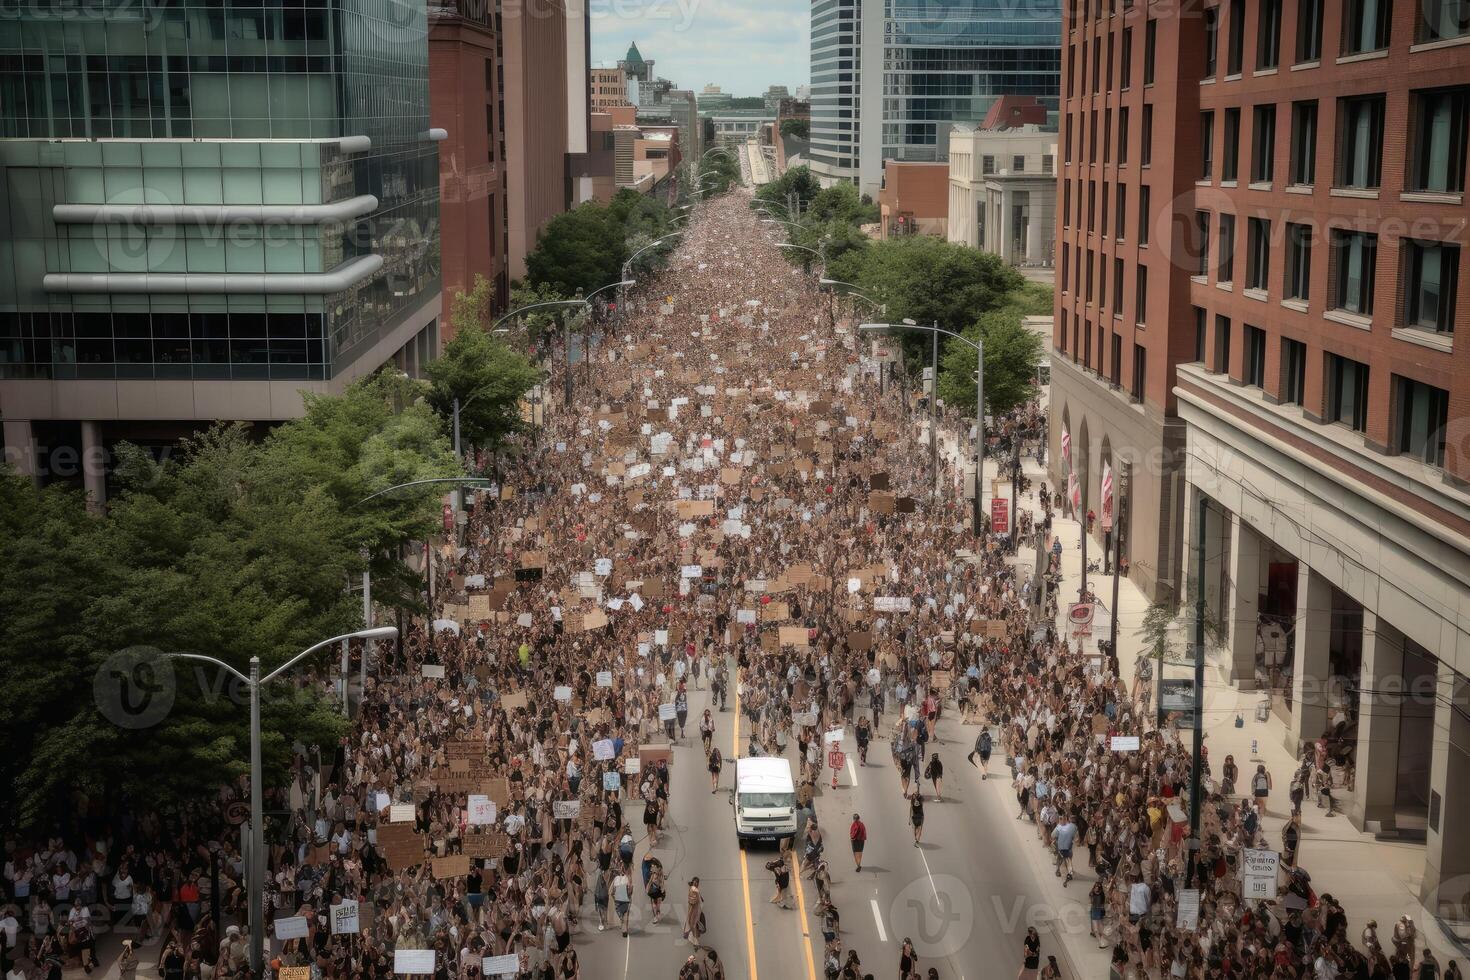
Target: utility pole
934,412
1120,507
566,355
1199,690
1015,481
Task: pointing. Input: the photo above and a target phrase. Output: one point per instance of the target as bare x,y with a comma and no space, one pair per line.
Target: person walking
983,745
656,889
716,762
781,871
622,893
857,834
1030,955
916,814
1261,788
934,772
1064,836
694,918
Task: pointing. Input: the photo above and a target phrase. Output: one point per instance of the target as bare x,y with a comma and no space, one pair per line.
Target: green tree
533,324
486,376
799,128
928,280
1012,353
578,249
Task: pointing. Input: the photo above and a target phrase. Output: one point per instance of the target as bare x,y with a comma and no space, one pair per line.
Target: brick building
1280,310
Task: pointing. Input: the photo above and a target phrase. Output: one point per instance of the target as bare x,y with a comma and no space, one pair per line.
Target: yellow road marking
744,869
806,936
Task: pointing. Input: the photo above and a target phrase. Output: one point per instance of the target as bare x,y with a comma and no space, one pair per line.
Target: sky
743,46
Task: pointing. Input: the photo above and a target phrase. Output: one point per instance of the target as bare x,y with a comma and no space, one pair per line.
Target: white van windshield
765,800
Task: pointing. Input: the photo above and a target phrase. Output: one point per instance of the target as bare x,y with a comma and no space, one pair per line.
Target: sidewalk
1372,879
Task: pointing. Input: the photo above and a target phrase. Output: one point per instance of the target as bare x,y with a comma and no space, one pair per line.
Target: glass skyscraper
927,64
213,190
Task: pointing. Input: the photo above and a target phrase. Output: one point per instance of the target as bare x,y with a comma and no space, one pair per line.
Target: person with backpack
716,762
1261,787
934,772
983,746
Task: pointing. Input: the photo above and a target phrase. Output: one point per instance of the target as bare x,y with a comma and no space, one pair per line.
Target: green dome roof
633,57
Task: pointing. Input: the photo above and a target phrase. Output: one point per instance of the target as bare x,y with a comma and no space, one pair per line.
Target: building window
1048,163
1293,372
1258,257
1432,269
1092,136
1422,413
1199,335
1091,206
1066,254
1018,165
1443,19
1140,371
1206,145
1066,211
1140,297
1062,338
1222,344
1212,32
1298,261
987,164
1150,42
1146,147
1071,71
1087,346
1143,217
1225,273
1268,35
1360,144
1263,144
1355,263
1231,149
1125,68
1120,210
1347,392
1096,64
1308,30
1107,135
1202,242
1117,285
1122,135
1440,123
1235,56
1253,371
1303,142
1116,367
1365,25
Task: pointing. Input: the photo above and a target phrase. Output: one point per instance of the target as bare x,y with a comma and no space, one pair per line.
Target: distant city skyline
743,47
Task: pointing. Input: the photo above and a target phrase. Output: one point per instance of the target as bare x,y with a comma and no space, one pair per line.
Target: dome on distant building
633,57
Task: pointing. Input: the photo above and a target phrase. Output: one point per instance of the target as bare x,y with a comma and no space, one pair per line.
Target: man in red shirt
857,834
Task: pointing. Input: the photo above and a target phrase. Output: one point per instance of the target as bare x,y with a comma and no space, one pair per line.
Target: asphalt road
964,897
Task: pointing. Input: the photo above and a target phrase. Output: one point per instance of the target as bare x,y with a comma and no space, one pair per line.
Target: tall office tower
889,77
207,209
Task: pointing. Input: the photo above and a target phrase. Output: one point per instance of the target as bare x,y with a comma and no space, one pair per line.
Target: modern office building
926,67
712,99
1261,284
465,102
684,112
1003,192
207,211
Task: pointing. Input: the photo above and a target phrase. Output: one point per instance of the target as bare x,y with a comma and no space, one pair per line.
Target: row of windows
1419,411
1096,199
1086,274
1366,27
1077,340
1119,47
1436,148
1426,282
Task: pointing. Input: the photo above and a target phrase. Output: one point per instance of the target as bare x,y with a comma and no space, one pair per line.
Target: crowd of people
726,504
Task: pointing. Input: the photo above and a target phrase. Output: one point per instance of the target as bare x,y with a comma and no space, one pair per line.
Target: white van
764,799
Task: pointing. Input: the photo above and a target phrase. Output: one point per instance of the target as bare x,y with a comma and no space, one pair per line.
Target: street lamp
254,682
979,349
853,291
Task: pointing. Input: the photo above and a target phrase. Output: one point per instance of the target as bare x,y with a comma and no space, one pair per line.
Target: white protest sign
1186,916
604,678
666,712
566,809
562,693
401,813
745,617
1125,743
345,918
602,749
603,567
691,571
482,809
291,927
433,671
661,637
612,782
501,966
413,961
889,603
633,766
831,736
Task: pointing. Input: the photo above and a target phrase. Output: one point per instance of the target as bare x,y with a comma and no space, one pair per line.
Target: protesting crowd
726,506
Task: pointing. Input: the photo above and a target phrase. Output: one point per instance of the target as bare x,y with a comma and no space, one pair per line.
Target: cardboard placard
793,636
451,867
